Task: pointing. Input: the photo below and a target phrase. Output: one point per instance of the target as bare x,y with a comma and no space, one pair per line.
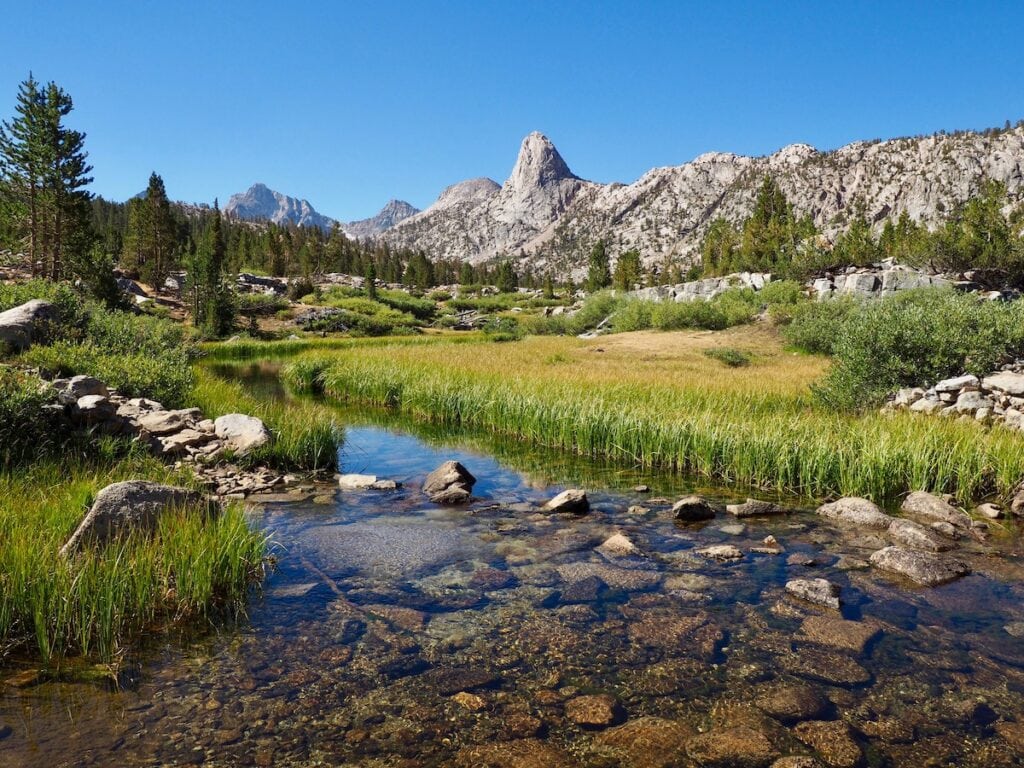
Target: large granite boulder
242,434
925,568
19,325
132,506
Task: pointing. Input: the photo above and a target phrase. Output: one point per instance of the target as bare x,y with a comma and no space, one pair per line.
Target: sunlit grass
657,400
95,603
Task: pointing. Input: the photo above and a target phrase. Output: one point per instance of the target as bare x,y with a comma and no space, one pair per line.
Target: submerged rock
600,711
793,703
520,753
833,741
754,508
450,483
572,501
923,568
854,510
838,633
617,545
911,534
819,591
693,508
721,552
648,742
739,747
132,506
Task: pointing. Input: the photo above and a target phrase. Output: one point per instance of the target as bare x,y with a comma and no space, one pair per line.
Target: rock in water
933,508
739,747
923,568
355,482
754,508
617,545
450,483
134,505
242,434
856,511
794,703
820,591
598,711
572,501
911,534
693,508
19,324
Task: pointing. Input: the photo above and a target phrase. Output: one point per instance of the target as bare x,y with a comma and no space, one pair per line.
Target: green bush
816,327
166,377
914,339
27,430
262,304
421,309
734,358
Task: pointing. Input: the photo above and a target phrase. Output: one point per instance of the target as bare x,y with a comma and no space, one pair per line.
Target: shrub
917,338
27,430
166,378
734,358
816,327
300,287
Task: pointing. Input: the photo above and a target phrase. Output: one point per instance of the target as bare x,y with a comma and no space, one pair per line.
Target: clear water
384,610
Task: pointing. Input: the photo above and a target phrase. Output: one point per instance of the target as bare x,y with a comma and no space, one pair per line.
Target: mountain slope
260,203
554,217
391,214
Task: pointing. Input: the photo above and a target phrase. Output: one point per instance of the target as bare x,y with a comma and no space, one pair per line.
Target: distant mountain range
260,203
547,214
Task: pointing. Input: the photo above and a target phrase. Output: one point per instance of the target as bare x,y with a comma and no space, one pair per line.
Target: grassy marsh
655,399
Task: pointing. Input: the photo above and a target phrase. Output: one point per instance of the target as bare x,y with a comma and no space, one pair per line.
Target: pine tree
507,280
213,299
598,274
44,172
628,270
371,280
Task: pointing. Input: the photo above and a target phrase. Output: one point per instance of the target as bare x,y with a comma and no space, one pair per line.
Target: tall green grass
750,425
306,435
96,603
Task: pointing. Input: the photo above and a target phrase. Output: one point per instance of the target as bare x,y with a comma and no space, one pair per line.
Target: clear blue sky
351,103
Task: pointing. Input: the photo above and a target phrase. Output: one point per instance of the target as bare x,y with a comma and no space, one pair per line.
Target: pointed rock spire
538,164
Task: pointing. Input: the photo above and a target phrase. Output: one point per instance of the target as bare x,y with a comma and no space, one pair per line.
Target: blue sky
350,103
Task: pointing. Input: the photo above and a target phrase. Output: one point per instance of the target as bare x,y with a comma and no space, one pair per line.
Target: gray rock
818,591
572,501
242,434
132,506
721,552
95,409
990,511
923,568
617,545
19,325
754,508
854,510
956,384
356,482
911,534
693,508
1007,382
972,402
926,405
929,506
80,386
167,422
450,483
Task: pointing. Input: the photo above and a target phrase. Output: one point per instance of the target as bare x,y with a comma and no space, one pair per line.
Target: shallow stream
394,632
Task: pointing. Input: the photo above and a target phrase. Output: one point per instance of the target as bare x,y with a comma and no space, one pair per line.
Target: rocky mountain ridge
546,213
260,203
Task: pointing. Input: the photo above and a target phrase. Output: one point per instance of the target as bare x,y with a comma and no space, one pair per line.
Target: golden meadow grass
656,399
95,603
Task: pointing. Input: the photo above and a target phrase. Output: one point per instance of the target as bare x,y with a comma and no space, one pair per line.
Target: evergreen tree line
977,235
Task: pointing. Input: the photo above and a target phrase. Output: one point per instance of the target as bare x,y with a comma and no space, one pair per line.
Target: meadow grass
97,602
655,399
281,350
306,434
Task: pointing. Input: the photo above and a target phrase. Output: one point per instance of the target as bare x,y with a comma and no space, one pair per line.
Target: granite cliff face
260,203
553,217
391,214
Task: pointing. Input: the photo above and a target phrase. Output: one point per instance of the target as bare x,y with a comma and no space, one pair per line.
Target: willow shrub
909,339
